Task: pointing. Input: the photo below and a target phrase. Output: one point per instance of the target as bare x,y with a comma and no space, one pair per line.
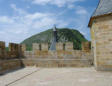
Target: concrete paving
32,76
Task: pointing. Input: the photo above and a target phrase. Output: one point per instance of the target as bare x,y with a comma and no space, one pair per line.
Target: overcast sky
20,19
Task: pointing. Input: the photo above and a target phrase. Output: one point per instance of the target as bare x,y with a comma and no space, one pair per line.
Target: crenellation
2,50
86,46
59,46
44,46
36,46
42,57
68,46
23,47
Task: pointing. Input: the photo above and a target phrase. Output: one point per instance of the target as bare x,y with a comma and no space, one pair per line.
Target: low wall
8,65
58,63
60,54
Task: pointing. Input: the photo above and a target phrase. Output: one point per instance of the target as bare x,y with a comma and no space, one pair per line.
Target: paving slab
57,77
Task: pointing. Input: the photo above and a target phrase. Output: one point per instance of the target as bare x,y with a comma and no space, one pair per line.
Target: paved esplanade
33,76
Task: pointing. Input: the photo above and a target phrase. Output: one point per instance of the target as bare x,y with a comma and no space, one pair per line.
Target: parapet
86,46
2,45
44,46
59,46
40,47
13,52
69,46
13,47
36,46
23,47
2,50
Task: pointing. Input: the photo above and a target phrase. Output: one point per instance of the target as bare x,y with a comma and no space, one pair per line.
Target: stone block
86,46
2,50
36,46
102,42
44,46
23,47
69,46
59,46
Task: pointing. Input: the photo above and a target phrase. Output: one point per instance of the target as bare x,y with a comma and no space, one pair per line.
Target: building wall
101,34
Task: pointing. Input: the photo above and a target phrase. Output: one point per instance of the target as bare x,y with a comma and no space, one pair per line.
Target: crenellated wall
41,56
86,46
63,51
2,50
14,51
10,58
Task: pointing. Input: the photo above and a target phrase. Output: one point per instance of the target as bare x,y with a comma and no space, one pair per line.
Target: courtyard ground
32,76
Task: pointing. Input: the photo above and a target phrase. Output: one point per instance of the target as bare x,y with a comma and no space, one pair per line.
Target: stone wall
62,52
2,50
10,59
8,65
13,64
14,51
69,46
58,63
101,34
86,46
64,56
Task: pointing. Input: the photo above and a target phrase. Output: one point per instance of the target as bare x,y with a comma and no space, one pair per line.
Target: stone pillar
86,46
11,47
44,46
69,46
23,47
59,46
2,50
19,50
13,50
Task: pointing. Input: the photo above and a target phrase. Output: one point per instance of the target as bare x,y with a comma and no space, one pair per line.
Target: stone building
101,33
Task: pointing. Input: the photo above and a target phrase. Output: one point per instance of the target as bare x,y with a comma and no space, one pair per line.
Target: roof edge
94,17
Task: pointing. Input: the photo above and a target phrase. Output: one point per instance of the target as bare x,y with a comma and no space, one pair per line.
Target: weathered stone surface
43,57
23,46
101,34
36,46
69,46
44,46
8,65
86,46
2,50
58,63
59,46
